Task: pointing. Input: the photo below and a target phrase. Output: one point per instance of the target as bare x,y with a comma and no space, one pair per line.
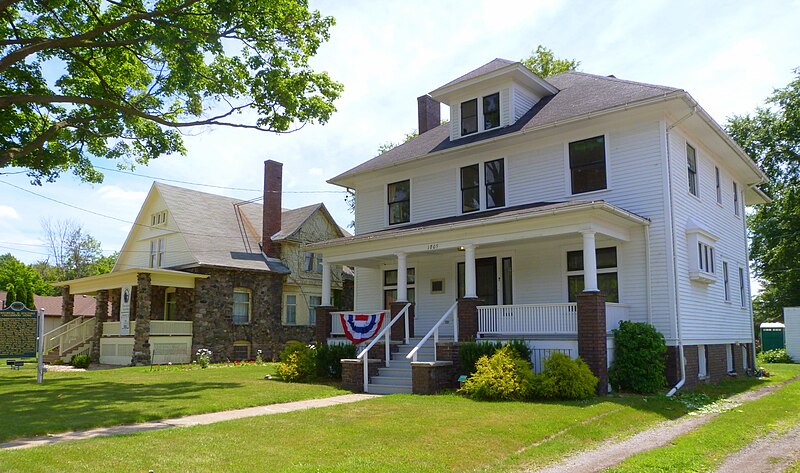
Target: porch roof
128,277
521,222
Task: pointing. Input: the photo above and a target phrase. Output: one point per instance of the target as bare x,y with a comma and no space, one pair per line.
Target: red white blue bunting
361,327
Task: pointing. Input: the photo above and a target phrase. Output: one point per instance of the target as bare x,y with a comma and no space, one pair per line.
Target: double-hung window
607,279
390,286
313,303
491,111
726,281
705,257
691,164
158,251
470,189
493,179
735,199
587,165
494,176
170,304
241,306
290,308
719,185
399,198
469,117
742,288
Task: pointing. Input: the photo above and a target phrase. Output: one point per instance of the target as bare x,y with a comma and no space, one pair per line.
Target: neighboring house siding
705,316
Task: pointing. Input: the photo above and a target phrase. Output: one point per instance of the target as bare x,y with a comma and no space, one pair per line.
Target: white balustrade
157,327
540,319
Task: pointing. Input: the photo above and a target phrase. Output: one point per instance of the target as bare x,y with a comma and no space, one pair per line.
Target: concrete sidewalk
199,419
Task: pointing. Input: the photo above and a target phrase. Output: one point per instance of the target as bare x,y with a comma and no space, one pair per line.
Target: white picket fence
540,319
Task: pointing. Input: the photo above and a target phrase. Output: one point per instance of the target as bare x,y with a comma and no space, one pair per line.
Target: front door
485,280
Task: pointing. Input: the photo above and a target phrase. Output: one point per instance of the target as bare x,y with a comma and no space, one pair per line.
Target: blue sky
729,55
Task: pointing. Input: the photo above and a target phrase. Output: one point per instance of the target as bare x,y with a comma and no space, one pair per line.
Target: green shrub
564,378
502,377
471,352
298,362
639,358
329,359
777,355
80,361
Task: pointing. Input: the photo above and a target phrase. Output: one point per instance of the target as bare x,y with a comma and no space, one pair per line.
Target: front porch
522,274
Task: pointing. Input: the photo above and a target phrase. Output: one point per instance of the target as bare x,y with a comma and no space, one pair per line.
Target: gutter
681,356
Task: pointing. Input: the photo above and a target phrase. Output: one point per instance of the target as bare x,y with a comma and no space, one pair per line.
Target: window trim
312,309
462,188
249,292
692,174
410,286
461,117
736,210
389,204
158,252
702,361
568,167
482,195
158,219
242,343
742,291
167,292
483,111
718,182
696,239
726,282
480,116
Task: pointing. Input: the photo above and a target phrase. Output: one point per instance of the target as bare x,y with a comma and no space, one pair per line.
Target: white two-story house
538,191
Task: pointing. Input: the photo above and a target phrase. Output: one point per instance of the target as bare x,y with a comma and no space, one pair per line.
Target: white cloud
119,194
8,213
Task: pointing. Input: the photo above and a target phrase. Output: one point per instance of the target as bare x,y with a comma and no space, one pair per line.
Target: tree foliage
120,79
771,136
75,254
21,281
544,63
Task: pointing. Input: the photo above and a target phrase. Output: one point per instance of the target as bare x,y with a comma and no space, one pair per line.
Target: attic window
158,218
469,117
491,111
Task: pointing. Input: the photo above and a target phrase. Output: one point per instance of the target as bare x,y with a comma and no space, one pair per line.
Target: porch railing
412,355
384,333
73,336
53,337
540,319
157,327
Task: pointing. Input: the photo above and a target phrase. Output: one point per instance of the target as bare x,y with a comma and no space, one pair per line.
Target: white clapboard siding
370,213
791,317
524,100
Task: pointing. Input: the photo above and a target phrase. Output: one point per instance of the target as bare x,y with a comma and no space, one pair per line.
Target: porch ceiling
511,225
128,277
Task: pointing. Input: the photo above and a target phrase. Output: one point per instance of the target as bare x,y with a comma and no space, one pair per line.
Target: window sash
691,164
726,285
291,309
308,261
241,307
605,258
313,303
470,188
171,305
607,283
399,199
491,111
587,164
742,292
735,199
469,117
494,176
718,184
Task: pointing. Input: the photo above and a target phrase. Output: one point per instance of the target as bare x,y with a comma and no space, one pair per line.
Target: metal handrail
412,355
383,333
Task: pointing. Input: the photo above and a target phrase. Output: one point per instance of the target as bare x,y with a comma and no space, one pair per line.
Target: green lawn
391,433
83,399
707,447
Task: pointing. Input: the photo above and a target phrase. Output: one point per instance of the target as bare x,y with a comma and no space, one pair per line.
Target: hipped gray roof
579,94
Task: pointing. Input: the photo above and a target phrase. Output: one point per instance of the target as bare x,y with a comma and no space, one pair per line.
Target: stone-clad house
208,271
549,210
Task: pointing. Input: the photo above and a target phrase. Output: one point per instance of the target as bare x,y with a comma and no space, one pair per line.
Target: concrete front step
388,389
391,380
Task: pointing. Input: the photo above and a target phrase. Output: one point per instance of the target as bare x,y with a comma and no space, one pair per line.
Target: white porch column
470,291
589,263
326,284
402,278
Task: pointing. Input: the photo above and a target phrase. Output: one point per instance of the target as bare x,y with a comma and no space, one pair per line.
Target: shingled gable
579,95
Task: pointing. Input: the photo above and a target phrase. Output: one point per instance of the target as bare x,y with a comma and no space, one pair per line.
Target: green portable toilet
772,336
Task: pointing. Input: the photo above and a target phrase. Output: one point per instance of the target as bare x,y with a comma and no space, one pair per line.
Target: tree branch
10,154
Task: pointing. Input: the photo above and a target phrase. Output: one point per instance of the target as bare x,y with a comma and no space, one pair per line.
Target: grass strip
707,447
79,400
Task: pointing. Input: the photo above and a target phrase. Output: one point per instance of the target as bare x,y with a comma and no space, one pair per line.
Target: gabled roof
491,66
579,95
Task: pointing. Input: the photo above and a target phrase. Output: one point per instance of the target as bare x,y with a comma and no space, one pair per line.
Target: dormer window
158,218
491,111
469,117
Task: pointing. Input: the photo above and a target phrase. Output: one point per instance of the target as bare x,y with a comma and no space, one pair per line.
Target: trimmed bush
80,361
471,352
501,377
778,355
639,358
329,359
564,378
298,362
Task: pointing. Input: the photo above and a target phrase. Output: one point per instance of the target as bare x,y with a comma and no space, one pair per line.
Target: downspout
681,357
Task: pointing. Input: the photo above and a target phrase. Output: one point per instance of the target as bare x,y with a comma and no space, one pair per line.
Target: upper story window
726,283
691,164
399,198
735,199
158,218
157,252
312,262
241,306
702,258
469,117
494,186
718,184
587,165
470,189
491,111
705,258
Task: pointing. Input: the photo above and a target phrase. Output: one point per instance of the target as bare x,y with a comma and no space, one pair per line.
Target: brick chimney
271,223
429,113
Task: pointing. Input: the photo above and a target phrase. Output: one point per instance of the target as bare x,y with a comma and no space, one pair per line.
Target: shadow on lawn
73,403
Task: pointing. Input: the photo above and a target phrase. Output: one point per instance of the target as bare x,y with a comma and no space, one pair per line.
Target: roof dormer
492,96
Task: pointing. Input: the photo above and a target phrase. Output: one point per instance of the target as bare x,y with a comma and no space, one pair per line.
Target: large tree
121,79
771,135
20,281
75,254
544,63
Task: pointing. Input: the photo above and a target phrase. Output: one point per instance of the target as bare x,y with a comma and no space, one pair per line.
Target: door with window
486,281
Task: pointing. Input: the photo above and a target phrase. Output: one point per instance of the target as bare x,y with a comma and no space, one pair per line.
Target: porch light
461,248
